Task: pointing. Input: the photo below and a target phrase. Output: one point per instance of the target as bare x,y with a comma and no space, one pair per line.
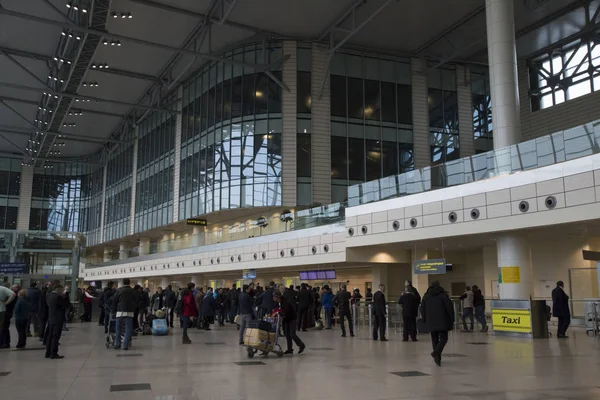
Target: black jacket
235,297
170,299
57,307
478,299
342,301
560,303
125,300
288,310
144,299
291,296
437,310
414,291
246,304
105,299
305,299
209,305
266,302
34,295
379,304
410,305
43,306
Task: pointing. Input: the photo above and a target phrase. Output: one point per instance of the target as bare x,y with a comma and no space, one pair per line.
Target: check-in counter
520,318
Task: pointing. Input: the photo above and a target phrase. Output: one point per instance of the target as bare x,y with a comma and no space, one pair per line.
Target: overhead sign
12,268
436,266
510,275
509,320
197,222
249,274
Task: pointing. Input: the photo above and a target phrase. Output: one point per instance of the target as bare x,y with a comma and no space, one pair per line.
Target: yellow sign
507,320
511,274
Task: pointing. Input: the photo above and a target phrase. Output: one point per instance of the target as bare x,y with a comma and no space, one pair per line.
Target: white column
465,111
380,276
144,248
290,130
141,282
420,104
164,282
106,255
419,281
123,251
24,212
321,126
198,236
165,242
177,161
504,85
133,182
103,205
514,254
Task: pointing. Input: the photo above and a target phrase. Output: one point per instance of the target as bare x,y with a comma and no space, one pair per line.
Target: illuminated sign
510,320
437,266
197,222
510,275
12,268
249,274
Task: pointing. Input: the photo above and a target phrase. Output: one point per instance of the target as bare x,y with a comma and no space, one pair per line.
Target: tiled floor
349,369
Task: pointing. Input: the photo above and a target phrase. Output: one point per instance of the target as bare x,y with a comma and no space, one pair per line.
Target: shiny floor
475,366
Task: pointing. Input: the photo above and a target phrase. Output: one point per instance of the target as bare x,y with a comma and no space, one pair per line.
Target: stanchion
370,317
387,319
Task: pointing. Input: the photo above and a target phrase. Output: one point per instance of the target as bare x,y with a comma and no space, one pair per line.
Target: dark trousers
21,325
290,335
347,316
54,332
106,321
563,325
410,329
35,321
302,315
467,313
5,333
379,325
136,322
87,312
43,326
101,317
438,341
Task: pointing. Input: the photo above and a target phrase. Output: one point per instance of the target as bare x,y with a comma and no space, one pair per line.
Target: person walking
467,299
123,306
267,303
479,304
305,299
289,320
209,305
170,299
438,314
199,297
87,305
327,302
57,307
342,302
410,311
43,311
33,294
560,309
235,303
246,311
144,305
7,297
157,301
22,314
5,332
106,301
379,314
188,310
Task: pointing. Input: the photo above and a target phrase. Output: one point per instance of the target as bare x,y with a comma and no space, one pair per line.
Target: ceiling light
84,10
75,8
55,58
70,35
63,33
78,37
105,42
68,5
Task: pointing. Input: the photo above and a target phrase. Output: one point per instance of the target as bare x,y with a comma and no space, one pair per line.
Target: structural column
198,236
164,244
144,248
103,205
164,282
289,100
380,276
26,185
514,267
504,85
177,161
133,182
465,111
420,104
123,251
106,255
419,281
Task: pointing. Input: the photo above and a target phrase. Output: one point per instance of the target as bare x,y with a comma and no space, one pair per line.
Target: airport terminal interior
185,184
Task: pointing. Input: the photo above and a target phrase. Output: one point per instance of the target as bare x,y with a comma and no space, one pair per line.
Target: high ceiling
140,71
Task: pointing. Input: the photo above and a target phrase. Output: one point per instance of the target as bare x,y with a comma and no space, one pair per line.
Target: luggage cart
273,347
112,331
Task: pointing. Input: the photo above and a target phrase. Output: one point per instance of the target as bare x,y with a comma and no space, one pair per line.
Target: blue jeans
480,316
128,331
328,317
186,324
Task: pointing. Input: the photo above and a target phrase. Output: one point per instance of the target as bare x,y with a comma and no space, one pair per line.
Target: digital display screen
330,274
321,275
303,276
312,275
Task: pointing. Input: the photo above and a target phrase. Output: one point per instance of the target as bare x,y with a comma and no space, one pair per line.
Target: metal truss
337,29
35,103
67,136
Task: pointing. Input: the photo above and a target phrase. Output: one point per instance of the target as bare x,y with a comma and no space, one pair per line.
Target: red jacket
189,306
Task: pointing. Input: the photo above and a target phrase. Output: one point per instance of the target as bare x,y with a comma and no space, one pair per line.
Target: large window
10,187
304,126
371,119
234,158
565,73
119,169
482,111
443,115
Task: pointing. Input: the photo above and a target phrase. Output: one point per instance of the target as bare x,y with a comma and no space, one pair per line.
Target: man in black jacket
288,313
123,306
479,304
170,299
410,310
235,303
57,307
560,309
105,301
34,294
246,311
305,299
379,313
266,302
342,302
438,315
43,311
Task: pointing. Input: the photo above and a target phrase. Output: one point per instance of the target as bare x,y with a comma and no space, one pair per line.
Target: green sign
436,266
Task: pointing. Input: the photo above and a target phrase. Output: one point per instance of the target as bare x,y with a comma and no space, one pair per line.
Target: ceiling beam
177,10
41,20
35,103
66,136
81,97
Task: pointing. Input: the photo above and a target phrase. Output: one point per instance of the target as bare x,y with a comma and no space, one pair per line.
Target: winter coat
34,294
189,304
478,299
342,301
22,309
379,308
305,299
410,305
266,302
125,300
246,305
437,310
327,300
209,305
560,303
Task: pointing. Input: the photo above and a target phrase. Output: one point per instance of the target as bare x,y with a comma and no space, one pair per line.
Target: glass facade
371,119
231,136
482,111
118,193
303,123
10,186
443,115
91,194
